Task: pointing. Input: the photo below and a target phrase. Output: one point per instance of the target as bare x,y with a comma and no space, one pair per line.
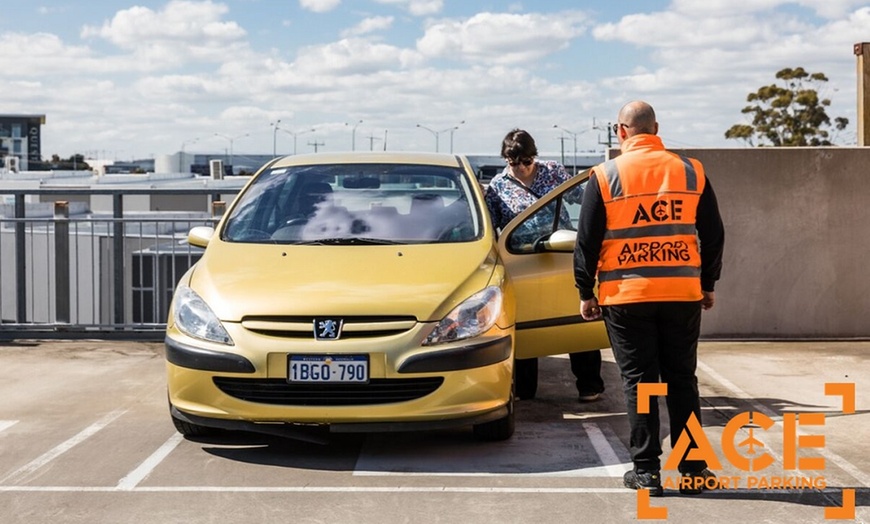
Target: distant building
21,142
200,163
485,166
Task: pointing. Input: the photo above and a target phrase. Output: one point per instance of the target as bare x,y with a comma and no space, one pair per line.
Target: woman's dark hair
518,144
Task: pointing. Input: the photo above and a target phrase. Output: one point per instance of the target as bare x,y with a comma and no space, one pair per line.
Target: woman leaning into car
522,182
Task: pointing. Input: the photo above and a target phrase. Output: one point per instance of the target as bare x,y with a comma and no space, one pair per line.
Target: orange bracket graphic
645,390
847,510
847,391
647,512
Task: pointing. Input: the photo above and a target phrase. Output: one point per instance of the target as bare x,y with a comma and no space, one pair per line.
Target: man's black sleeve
711,234
590,235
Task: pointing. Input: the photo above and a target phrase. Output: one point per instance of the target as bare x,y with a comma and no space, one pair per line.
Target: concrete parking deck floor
85,437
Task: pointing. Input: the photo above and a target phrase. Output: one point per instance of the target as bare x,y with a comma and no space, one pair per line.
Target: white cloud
45,10
830,9
147,80
417,7
181,30
369,25
694,33
718,57
502,38
354,56
833,9
42,54
319,6
21,45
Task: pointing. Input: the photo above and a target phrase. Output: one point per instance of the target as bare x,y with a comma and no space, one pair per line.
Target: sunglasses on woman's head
514,162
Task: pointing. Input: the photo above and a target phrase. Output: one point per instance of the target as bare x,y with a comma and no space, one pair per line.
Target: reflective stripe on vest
613,182
649,272
650,249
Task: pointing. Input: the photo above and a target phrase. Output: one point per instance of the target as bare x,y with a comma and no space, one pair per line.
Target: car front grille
353,327
376,391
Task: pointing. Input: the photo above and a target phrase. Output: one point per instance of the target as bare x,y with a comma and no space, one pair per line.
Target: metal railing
95,275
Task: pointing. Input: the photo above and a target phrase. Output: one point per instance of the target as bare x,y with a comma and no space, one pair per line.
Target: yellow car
364,292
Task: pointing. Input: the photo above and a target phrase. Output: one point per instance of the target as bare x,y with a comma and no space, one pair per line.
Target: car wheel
526,377
499,429
192,430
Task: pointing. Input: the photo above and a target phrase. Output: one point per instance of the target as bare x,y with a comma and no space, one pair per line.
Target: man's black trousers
657,342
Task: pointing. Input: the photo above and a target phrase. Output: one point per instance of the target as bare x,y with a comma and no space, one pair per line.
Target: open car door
538,251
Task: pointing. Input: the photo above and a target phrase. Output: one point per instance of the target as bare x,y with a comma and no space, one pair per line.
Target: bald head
639,117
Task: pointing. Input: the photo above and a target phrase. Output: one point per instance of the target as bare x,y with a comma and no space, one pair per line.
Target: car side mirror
200,236
562,240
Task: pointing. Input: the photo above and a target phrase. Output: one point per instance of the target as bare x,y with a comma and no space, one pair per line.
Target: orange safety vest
650,249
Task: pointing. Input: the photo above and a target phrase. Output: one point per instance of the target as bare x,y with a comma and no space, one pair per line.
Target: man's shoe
695,483
588,396
650,480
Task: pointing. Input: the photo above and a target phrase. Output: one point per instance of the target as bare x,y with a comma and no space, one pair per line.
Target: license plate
328,368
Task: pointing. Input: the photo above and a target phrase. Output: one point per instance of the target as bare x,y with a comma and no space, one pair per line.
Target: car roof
369,157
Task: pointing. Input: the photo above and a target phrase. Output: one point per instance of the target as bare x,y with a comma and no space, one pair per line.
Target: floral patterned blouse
506,199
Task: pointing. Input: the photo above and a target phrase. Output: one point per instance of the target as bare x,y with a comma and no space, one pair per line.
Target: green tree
790,114
75,162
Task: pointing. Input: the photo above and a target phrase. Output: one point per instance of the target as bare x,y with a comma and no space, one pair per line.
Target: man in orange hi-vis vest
650,231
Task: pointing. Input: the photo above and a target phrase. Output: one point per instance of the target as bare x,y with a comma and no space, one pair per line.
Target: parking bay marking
25,470
141,473
304,489
538,449
6,424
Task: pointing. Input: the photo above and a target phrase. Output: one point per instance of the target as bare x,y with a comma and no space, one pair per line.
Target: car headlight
473,317
195,318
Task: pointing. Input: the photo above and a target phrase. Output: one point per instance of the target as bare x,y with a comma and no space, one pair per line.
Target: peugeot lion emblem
327,329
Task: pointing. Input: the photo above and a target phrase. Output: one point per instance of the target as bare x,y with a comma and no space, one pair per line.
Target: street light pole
231,139
353,135
452,129
295,134
574,135
275,136
438,134
434,133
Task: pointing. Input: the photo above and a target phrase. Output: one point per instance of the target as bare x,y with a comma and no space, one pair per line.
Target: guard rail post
20,261
61,262
118,269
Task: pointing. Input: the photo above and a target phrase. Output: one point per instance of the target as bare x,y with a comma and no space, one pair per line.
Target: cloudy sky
136,79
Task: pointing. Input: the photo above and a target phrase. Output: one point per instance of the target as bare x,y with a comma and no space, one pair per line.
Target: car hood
424,281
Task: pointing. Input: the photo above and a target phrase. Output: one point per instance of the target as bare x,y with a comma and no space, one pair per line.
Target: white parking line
141,473
612,464
25,470
309,489
6,424
536,449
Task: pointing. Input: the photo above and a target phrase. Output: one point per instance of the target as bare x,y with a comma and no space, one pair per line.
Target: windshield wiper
351,241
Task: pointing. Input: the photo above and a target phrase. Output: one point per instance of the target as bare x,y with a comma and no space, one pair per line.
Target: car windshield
356,204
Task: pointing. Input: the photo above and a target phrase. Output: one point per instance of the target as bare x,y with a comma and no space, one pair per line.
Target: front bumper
309,433
462,383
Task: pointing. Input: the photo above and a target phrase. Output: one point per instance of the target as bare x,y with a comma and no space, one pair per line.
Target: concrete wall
797,244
